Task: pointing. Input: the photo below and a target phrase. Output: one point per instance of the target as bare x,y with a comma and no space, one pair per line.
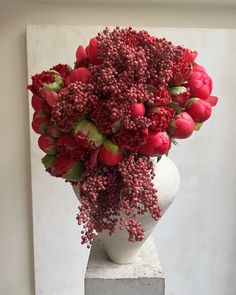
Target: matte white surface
196,238
144,276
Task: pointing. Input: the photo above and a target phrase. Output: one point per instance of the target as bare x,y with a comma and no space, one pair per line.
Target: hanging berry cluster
128,97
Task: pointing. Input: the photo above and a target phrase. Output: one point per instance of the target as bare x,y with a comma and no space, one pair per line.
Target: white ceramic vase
166,181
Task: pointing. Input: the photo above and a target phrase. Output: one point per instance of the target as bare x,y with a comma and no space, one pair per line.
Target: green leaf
75,172
198,126
174,142
175,106
158,158
178,90
48,161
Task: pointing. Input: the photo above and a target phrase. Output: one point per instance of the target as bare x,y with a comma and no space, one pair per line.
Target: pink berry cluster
128,97
113,195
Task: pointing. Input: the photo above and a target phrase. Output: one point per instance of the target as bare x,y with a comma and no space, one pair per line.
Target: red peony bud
137,109
158,143
92,51
189,55
40,125
180,95
56,85
53,131
50,96
39,114
47,109
37,102
200,83
110,154
87,134
198,68
181,72
199,110
67,146
182,126
49,162
62,69
68,168
212,100
81,74
81,53
160,117
162,97
94,157
47,144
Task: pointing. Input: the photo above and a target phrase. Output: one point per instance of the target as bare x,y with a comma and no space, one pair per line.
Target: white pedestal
142,277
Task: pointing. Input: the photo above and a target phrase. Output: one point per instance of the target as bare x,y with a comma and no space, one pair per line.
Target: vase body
166,181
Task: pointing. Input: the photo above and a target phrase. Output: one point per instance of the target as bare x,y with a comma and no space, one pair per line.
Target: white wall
16,251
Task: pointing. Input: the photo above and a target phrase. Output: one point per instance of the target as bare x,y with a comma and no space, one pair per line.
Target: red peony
81,74
36,102
180,95
212,100
47,144
160,118
50,96
67,146
62,69
200,83
68,168
182,126
110,154
137,109
199,110
39,125
189,56
158,143
126,99
92,50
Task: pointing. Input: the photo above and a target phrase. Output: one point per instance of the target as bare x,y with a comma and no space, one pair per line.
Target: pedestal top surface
147,264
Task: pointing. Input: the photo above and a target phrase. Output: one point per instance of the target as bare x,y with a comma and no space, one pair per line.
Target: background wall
16,249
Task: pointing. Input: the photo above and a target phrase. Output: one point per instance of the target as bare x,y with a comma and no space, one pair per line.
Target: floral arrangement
129,96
